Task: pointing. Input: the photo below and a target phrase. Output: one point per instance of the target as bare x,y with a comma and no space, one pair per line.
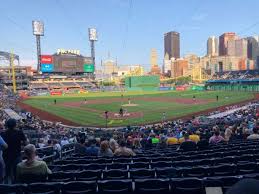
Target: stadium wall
142,83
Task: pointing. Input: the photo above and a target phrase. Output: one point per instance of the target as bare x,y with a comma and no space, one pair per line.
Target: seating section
155,170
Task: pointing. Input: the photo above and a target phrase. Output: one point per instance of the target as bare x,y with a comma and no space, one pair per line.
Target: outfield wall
142,83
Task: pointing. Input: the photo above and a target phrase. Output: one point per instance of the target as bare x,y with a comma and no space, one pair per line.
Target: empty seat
115,186
142,173
161,164
139,165
223,170
79,187
117,166
115,174
152,186
44,188
167,172
32,178
187,186
247,168
61,177
71,167
93,166
88,175
195,172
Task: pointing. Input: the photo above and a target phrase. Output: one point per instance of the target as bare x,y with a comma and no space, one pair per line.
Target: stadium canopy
6,56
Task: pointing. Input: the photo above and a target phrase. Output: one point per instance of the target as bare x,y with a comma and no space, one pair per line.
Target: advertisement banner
88,68
46,59
58,93
180,88
45,68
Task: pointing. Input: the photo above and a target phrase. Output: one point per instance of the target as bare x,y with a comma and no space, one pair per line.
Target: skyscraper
223,42
212,46
172,44
155,70
252,47
241,48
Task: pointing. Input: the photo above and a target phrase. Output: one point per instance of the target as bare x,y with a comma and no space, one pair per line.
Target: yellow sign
64,51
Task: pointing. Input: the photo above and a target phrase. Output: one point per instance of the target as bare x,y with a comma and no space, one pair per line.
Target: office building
172,44
223,42
212,46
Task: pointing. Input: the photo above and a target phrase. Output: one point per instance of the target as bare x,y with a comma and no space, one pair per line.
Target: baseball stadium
80,122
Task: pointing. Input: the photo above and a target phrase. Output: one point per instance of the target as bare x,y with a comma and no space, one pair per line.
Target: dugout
142,83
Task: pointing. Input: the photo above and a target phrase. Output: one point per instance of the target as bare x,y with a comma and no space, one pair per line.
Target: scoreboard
65,62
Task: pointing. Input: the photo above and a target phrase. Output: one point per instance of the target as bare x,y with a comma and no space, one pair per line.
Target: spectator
31,166
64,141
12,155
187,145
56,148
80,147
172,141
203,144
92,150
105,151
41,143
195,137
3,146
255,134
113,145
228,133
123,150
216,138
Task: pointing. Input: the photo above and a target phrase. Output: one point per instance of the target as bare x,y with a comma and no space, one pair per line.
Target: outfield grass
152,111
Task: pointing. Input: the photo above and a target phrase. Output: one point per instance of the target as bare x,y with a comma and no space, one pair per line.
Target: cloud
199,17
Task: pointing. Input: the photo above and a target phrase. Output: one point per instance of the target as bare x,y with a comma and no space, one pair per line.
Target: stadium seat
88,175
31,178
44,188
122,160
247,168
162,164
195,172
142,173
115,174
94,166
187,186
79,187
115,186
61,176
167,172
71,167
152,186
225,181
139,165
223,170
123,166
12,189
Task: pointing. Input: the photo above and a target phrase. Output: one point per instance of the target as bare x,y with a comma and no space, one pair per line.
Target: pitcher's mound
127,105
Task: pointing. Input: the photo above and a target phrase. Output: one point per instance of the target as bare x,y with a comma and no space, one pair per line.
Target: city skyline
127,33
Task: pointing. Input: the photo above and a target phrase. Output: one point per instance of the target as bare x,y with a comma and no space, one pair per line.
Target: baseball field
138,107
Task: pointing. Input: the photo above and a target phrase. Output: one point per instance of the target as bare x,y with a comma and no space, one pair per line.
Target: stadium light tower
38,31
92,38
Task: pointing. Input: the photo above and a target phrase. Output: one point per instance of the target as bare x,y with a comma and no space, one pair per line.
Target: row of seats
164,162
148,158
166,172
148,186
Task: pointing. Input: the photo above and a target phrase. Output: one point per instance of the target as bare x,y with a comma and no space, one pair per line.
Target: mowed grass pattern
152,111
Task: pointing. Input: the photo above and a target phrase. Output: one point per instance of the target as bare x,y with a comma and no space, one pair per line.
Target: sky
127,29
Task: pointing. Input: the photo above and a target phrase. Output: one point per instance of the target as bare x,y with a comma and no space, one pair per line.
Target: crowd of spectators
231,75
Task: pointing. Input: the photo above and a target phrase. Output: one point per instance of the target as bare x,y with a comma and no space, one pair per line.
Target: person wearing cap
31,165
14,138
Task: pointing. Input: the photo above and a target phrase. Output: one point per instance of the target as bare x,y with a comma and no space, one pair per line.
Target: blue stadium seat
61,176
115,186
187,186
12,189
152,186
79,187
142,173
115,174
88,175
167,172
44,188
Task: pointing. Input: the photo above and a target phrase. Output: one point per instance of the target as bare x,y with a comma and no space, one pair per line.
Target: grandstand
235,81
